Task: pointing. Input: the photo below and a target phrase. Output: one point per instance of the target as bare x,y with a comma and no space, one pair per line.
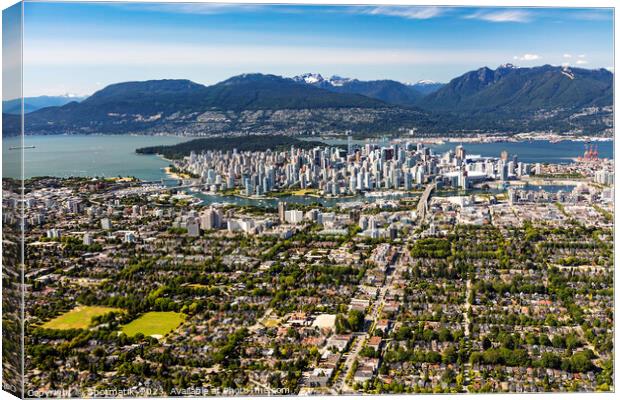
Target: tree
445,335
356,320
448,376
550,360
558,341
449,355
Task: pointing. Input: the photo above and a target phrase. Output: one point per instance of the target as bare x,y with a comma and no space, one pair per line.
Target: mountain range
507,99
31,104
386,90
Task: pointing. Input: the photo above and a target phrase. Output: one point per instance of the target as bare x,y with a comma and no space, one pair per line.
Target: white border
480,3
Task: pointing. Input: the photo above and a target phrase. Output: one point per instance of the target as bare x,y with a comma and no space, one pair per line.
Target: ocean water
86,155
535,151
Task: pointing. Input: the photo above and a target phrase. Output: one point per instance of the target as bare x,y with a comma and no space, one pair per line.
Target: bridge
423,204
178,187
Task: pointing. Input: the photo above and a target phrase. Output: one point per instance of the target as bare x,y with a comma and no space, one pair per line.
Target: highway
423,204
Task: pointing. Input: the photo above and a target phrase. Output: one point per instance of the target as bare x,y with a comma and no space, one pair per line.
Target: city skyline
404,43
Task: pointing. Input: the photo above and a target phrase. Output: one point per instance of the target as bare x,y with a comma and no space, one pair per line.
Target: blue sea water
114,155
86,155
536,151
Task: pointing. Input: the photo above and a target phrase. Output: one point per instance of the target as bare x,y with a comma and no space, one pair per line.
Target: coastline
175,175
490,138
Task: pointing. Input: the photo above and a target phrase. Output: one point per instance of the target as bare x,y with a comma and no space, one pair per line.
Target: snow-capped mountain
336,80
318,79
309,78
386,90
507,66
505,99
426,86
423,82
389,91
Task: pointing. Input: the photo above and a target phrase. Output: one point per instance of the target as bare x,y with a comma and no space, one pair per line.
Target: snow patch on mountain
507,66
425,82
309,78
336,80
317,79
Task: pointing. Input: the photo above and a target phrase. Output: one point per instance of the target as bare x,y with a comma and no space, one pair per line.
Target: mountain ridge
508,99
387,90
33,103
521,88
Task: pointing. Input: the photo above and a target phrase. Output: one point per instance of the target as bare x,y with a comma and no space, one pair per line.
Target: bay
533,151
86,155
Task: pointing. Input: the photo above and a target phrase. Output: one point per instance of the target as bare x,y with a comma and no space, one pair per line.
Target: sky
11,52
80,48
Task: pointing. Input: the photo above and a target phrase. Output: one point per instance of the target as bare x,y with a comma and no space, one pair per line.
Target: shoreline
479,138
174,175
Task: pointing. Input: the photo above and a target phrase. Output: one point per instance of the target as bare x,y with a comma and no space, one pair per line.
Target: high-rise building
106,224
503,171
363,222
193,229
604,177
210,219
282,211
372,223
407,181
459,152
512,196
538,169
463,180
393,231
294,216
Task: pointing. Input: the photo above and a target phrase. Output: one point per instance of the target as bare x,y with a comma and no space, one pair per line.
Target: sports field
197,286
154,323
78,318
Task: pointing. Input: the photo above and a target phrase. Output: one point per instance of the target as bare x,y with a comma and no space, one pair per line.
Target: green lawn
154,323
197,286
78,318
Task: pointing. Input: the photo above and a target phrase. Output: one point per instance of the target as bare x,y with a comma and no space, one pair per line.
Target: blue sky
80,48
11,52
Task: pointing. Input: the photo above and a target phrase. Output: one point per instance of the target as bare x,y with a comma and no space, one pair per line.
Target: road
423,204
467,308
340,384
361,337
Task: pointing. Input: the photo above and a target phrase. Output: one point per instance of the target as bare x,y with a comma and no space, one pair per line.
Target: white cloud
582,62
567,56
193,8
581,56
528,57
501,16
407,12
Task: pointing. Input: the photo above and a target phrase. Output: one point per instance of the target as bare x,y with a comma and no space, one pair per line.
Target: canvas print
212,199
